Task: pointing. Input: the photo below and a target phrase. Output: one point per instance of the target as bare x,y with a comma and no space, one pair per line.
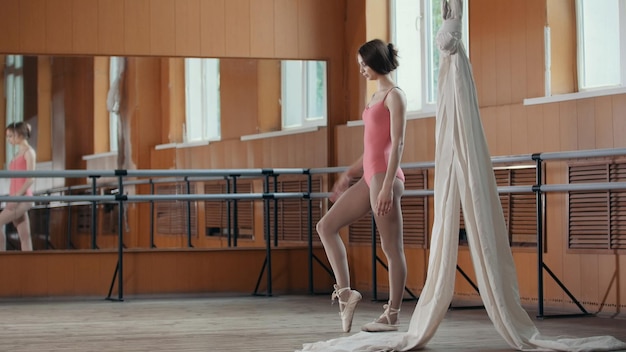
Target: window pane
434,22
598,40
202,100
409,43
292,93
316,89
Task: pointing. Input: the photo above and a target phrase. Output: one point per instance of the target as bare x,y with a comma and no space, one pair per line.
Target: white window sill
99,156
181,145
299,130
575,96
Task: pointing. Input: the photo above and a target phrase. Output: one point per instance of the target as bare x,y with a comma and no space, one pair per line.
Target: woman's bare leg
16,213
22,224
391,237
351,206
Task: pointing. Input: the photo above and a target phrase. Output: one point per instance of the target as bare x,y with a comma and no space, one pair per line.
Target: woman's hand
384,202
340,186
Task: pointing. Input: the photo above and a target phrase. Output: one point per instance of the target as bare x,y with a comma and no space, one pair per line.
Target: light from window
600,48
14,92
202,99
414,25
303,93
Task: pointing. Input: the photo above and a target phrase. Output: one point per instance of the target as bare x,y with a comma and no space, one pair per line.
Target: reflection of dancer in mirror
24,160
379,188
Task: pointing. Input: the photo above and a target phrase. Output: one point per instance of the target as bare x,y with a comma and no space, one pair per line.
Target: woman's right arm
343,182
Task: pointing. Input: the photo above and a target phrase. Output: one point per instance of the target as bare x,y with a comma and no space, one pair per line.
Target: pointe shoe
346,308
379,325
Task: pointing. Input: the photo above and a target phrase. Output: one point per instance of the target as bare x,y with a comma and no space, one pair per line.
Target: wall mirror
76,107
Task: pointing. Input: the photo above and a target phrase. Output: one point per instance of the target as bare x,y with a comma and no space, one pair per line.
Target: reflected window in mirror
202,99
14,92
303,93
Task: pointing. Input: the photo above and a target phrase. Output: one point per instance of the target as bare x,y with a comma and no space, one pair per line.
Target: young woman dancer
17,134
379,188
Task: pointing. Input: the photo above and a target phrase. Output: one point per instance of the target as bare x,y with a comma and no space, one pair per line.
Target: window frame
580,49
296,77
426,27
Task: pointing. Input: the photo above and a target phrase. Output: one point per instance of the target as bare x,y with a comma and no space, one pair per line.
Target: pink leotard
377,140
18,164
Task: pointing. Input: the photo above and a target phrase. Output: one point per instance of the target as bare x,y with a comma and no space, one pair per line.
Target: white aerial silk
464,177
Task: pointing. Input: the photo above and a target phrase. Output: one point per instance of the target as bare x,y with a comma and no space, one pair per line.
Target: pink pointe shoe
346,308
383,323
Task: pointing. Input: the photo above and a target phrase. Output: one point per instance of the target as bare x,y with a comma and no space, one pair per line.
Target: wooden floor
237,323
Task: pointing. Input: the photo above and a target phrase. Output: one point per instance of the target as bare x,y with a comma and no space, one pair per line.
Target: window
303,93
14,91
414,25
601,43
202,100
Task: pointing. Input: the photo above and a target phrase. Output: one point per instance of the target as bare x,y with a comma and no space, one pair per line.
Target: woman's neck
385,83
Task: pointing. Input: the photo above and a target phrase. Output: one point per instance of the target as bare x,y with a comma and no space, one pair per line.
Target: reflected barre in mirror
81,106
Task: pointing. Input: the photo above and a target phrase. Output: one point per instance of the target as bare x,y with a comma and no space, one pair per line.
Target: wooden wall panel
519,41
173,108
78,101
143,84
58,23
262,28
44,119
188,28
9,26
485,75
561,18
32,26
101,143
536,132
239,101
603,127
111,21
269,82
311,40
213,28
518,134
489,120
506,118
137,27
568,125
286,28
237,26
619,122
162,27
535,47
503,44
586,123
89,273
551,124
84,27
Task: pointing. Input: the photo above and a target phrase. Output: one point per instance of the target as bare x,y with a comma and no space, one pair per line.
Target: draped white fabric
464,177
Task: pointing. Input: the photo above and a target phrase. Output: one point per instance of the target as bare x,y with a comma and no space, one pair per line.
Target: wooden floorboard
236,323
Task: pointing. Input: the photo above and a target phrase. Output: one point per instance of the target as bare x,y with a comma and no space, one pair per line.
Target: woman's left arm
396,103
